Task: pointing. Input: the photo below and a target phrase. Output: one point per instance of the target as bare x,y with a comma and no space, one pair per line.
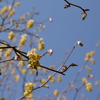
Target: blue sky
60,35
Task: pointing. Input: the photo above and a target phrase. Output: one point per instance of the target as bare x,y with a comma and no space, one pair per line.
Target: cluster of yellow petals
22,18
29,87
52,79
56,93
88,86
22,63
30,97
34,58
3,10
88,69
23,40
8,53
17,4
41,45
89,55
30,23
17,78
84,80
12,12
59,78
3,48
11,35
43,81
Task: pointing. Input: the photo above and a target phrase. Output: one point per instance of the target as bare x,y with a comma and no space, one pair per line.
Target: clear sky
60,35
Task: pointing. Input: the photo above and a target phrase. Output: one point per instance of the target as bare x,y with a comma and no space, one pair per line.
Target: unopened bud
84,16
50,19
66,6
50,51
80,43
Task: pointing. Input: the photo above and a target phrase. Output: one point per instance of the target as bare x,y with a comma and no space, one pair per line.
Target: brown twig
84,10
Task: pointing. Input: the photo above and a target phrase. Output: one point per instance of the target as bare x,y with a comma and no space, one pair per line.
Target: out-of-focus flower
84,80
80,43
88,69
56,93
30,23
97,82
11,35
50,51
88,86
84,15
17,4
29,87
50,19
41,45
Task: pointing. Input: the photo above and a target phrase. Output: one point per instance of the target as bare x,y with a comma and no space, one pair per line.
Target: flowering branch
84,14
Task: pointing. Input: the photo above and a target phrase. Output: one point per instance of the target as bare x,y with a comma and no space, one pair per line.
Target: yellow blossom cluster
22,63
31,71
23,40
97,82
8,53
17,4
59,78
23,71
34,58
88,86
22,18
12,12
52,79
88,69
29,87
11,35
89,55
43,81
3,48
30,23
41,45
3,10
84,80
56,93
30,97
17,78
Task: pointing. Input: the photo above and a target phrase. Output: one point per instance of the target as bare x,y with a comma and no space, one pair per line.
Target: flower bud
84,16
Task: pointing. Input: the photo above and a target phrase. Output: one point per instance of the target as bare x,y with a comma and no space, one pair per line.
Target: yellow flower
88,69
31,71
17,78
29,87
24,71
30,23
22,63
92,53
3,46
12,12
22,18
96,83
52,79
43,81
59,78
84,80
56,93
41,45
11,35
17,4
22,41
88,86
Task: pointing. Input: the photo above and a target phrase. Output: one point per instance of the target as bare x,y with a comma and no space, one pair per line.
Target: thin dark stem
76,6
